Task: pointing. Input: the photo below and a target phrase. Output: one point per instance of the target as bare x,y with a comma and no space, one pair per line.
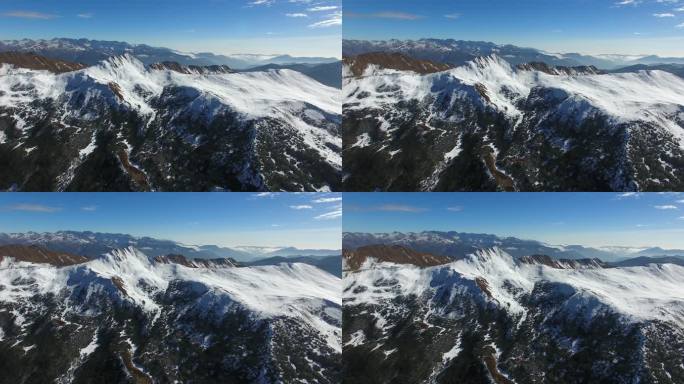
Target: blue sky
592,219
585,26
306,220
296,27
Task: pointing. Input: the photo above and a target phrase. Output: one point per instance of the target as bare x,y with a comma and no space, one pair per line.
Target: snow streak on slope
298,291
653,292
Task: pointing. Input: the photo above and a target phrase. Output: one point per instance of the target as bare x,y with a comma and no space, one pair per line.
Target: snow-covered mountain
459,52
490,316
94,244
126,315
91,52
489,125
121,125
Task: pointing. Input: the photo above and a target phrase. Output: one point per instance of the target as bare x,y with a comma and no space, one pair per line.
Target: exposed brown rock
489,357
136,174
390,254
196,263
116,89
37,254
358,64
484,286
32,61
482,90
118,283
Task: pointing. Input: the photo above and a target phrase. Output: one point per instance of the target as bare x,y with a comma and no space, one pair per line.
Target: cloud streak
33,208
384,15
30,15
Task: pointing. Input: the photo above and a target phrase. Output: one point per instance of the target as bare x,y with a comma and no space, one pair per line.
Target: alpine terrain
126,317
449,116
124,125
489,317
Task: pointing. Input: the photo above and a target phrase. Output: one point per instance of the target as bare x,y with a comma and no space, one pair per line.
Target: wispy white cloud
323,8
663,15
30,15
399,208
455,208
679,25
665,207
34,208
628,195
265,194
85,15
300,207
628,2
327,200
337,213
296,15
453,16
261,2
385,15
89,208
330,20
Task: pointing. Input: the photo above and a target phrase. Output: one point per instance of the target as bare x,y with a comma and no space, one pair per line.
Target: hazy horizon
306,220
589,219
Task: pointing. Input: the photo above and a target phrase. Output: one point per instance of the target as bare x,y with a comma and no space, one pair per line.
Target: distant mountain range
456,245
329,74
459,52
91,52
94,244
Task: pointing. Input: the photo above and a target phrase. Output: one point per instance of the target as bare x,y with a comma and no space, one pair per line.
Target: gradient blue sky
592,219
584,26
306,220
296,27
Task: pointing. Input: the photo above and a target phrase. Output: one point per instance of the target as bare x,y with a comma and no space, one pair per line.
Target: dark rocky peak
36,62
397,61
196,263
40,255
191,69
560,70
562,263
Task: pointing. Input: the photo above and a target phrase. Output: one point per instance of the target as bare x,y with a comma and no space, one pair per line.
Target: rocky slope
129,318
354,259
122,126
488,125
490,318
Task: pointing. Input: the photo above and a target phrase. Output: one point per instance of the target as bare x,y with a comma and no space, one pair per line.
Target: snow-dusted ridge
652,96
298,291
280,94
645,293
